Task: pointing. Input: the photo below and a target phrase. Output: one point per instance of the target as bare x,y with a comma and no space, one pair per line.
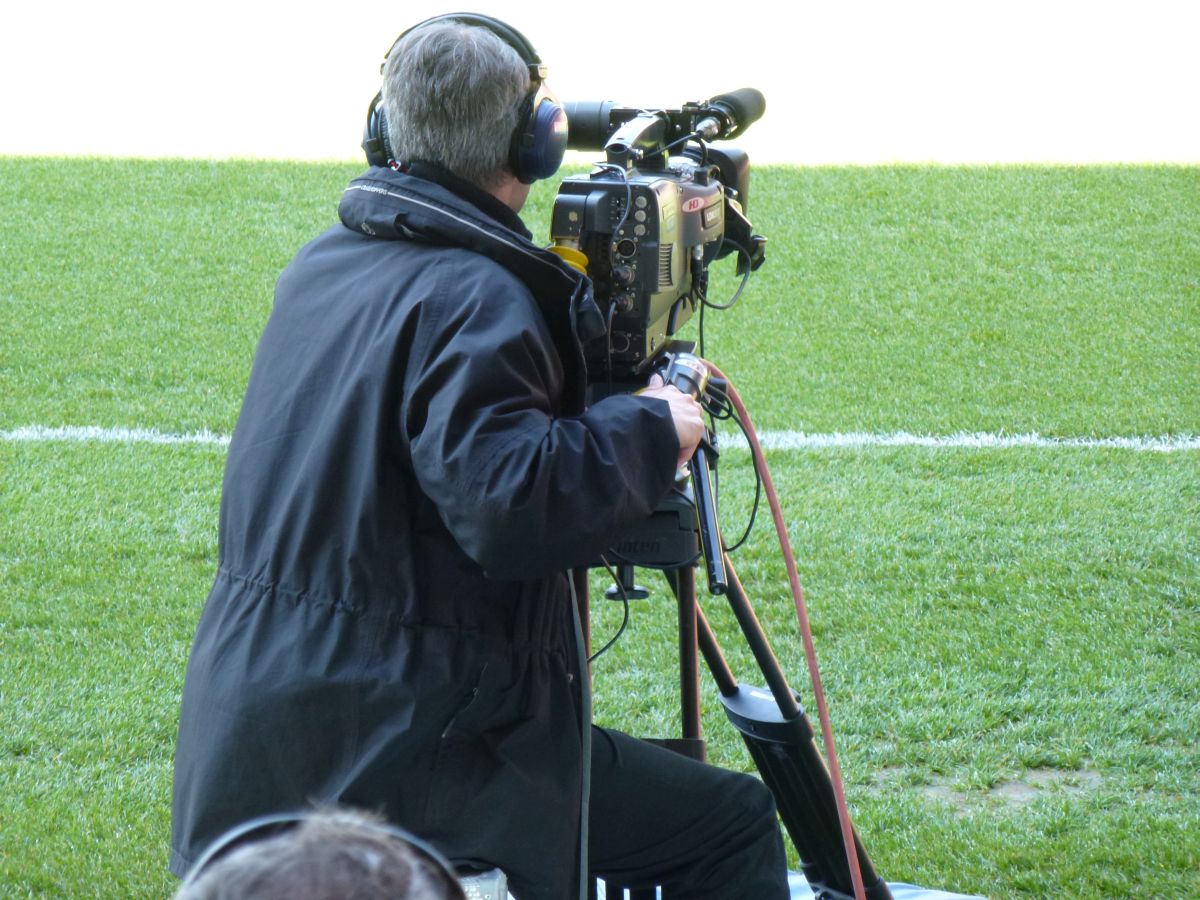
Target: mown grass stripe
771,440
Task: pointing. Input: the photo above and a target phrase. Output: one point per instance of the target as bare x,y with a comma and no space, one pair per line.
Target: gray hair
452,94
330,854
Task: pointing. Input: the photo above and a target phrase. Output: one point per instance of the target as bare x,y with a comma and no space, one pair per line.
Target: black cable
612,312
694,136
612,240
612,244
757,486
624,618
719,408
741,287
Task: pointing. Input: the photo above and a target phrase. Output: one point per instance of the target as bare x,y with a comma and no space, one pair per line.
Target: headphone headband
269,826
506,33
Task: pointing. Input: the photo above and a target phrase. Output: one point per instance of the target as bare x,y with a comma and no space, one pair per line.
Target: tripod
771,720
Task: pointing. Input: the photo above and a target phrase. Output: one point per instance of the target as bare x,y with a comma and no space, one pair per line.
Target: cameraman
413,472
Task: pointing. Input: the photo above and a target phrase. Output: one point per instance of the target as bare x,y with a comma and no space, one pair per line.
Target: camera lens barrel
588,125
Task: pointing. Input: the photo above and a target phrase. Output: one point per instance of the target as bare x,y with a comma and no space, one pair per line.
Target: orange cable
810,650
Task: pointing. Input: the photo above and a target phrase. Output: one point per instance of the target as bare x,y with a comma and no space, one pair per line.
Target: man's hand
685,413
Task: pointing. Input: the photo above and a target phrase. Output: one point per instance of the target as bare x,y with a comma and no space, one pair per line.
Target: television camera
646,224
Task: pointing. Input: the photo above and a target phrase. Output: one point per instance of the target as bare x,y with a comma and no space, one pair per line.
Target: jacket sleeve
523,491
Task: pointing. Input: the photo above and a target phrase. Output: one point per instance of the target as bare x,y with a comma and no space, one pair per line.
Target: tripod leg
683,584
780,740
759,645
714,657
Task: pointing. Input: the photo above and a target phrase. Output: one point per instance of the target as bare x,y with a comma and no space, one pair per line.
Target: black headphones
540,138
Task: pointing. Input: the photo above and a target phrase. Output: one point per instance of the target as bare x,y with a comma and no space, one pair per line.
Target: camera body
648,225
648,238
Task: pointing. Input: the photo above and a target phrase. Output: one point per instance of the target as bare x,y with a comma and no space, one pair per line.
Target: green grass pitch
1010,638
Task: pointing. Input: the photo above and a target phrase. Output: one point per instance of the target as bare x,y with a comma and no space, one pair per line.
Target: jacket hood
391,205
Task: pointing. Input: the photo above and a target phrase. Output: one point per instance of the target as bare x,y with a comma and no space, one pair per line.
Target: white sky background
855,81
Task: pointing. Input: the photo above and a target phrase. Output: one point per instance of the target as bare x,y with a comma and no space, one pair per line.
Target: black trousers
698,831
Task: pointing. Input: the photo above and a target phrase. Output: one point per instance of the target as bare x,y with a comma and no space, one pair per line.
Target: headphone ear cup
540,140
375,141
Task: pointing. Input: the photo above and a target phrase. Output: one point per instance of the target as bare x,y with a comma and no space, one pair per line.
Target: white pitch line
84,434
771,440
800,440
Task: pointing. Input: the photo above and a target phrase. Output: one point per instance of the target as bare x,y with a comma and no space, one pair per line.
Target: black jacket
412,472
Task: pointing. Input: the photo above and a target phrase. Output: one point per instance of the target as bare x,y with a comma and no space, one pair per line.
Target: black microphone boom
593,122
729,115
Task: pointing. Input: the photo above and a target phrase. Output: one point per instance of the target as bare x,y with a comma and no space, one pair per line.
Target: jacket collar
392,205
468,191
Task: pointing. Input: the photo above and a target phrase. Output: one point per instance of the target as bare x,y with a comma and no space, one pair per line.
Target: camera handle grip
706,518
690,374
